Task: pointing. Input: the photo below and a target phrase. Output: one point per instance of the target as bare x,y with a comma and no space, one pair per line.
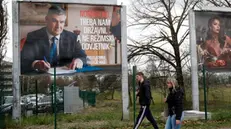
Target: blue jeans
171,122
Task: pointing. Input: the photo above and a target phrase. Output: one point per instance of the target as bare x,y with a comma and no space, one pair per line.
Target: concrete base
29,113
195,115
72,102
191,115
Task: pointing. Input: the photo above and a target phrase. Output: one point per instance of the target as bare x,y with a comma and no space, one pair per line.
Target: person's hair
140,74
221,36
173,81
55,9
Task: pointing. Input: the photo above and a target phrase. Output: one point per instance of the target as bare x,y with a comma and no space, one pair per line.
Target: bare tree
108,84
3,29
165,22
3,34
158,71
219,3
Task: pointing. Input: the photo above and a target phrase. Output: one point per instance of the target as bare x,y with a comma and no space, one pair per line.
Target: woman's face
215,27
169,84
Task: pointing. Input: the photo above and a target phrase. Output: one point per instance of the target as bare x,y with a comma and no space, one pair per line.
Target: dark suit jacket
37,46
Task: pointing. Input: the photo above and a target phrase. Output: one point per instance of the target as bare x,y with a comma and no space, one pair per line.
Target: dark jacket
175,102
144,93
37,47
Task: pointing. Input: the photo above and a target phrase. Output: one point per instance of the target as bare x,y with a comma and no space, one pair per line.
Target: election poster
85,36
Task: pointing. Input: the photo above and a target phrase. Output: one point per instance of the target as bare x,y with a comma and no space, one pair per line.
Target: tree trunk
113,91
130,97
179,73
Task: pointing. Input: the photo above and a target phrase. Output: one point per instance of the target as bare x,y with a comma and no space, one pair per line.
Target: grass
107,114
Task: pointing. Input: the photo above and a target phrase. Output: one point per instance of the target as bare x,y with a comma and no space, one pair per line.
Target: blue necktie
53,51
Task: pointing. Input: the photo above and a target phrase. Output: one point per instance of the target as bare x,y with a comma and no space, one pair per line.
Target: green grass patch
107,114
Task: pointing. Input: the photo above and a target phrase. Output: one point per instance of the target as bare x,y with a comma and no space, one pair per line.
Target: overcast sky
9,45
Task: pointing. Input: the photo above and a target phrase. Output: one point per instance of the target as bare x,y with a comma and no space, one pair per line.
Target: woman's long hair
173,82
221,36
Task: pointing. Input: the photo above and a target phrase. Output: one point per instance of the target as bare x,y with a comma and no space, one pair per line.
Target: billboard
213,42
72,37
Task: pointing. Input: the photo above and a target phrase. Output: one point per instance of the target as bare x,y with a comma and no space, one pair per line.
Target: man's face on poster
55,23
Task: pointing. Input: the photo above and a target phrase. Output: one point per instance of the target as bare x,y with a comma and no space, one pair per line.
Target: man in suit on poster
52,45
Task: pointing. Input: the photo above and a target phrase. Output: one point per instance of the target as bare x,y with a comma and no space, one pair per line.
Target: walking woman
175,104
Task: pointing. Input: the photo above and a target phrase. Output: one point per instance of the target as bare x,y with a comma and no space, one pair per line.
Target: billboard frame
193,51
86,2
16,51
16,111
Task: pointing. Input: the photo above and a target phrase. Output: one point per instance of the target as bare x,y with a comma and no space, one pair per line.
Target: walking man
145,97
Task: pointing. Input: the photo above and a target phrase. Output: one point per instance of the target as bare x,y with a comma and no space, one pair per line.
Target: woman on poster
217,52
